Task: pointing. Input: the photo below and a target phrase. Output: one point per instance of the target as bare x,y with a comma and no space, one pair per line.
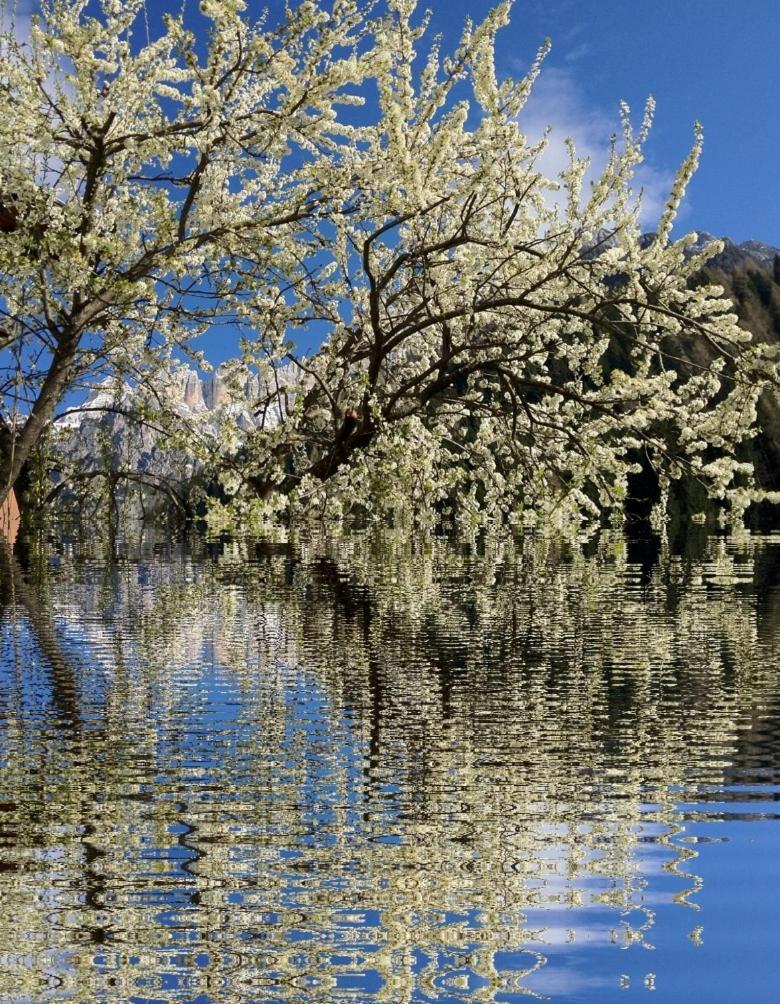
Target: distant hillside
750,275
752,280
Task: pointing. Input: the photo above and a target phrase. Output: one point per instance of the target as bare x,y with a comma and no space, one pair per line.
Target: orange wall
9,518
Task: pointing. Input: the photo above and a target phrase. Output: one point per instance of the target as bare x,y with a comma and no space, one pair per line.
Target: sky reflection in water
374,770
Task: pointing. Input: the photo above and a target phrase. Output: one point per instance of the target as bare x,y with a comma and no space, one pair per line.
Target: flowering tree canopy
492,339
146,188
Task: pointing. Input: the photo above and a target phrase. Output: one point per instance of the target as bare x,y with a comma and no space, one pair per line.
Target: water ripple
384,770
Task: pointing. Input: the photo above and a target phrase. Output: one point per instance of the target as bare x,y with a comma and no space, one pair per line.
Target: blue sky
713,60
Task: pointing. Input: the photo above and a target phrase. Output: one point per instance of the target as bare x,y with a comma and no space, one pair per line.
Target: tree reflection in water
367,769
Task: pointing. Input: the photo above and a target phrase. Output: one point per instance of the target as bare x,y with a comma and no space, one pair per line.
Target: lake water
380,769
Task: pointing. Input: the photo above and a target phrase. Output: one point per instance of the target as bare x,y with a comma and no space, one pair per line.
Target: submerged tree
491,339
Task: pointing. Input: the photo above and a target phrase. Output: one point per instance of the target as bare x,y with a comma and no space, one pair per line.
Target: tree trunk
17,452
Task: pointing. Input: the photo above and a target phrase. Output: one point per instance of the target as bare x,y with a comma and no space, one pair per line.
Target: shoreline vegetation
494,345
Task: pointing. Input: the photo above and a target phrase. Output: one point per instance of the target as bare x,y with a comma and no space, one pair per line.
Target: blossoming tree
145,186
491,338
496,339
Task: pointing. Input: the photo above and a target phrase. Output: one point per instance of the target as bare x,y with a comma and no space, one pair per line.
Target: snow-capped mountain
162,432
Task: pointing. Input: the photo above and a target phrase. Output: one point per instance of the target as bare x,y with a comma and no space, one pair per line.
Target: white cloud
556,102
578,52
16,14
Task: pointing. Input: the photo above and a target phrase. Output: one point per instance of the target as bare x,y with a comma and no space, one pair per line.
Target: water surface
379,769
